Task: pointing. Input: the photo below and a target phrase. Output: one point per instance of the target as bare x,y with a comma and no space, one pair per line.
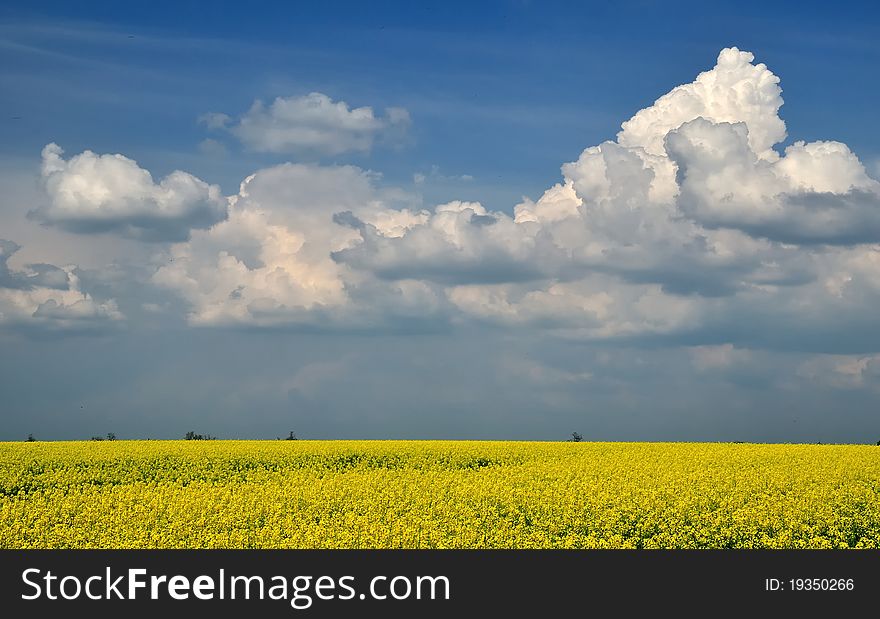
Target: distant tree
31,439
192,436
878,443
111,436
97,438
576,437
291,436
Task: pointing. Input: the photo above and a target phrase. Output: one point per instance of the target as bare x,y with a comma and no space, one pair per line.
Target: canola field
437,494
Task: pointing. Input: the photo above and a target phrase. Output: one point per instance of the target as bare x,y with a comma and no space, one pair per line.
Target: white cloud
91,193
688,223
271,262
690,200
312,124
816,193
734,90
459,242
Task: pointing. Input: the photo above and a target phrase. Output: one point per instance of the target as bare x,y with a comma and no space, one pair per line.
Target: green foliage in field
409,494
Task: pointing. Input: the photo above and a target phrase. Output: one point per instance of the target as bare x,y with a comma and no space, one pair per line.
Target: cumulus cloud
651,207
271,261
48,298
817,193
689,225
734,90
311,124
91,193
459,242
689,204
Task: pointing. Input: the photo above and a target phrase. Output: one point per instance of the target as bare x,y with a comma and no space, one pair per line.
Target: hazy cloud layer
312,124
49,298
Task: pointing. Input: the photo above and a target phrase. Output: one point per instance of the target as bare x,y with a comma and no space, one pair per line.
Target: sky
501,220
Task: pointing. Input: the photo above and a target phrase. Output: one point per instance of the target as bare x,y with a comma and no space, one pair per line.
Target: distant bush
31,439
192,436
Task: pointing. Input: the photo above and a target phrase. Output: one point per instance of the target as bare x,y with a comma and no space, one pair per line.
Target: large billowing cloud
689,224
48,298
734,90
816,193
272,261
91,193
311,124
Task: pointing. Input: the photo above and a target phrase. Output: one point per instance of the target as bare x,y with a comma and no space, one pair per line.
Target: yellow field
409,494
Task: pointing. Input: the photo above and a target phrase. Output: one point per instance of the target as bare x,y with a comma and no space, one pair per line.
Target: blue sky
392,318
501,91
